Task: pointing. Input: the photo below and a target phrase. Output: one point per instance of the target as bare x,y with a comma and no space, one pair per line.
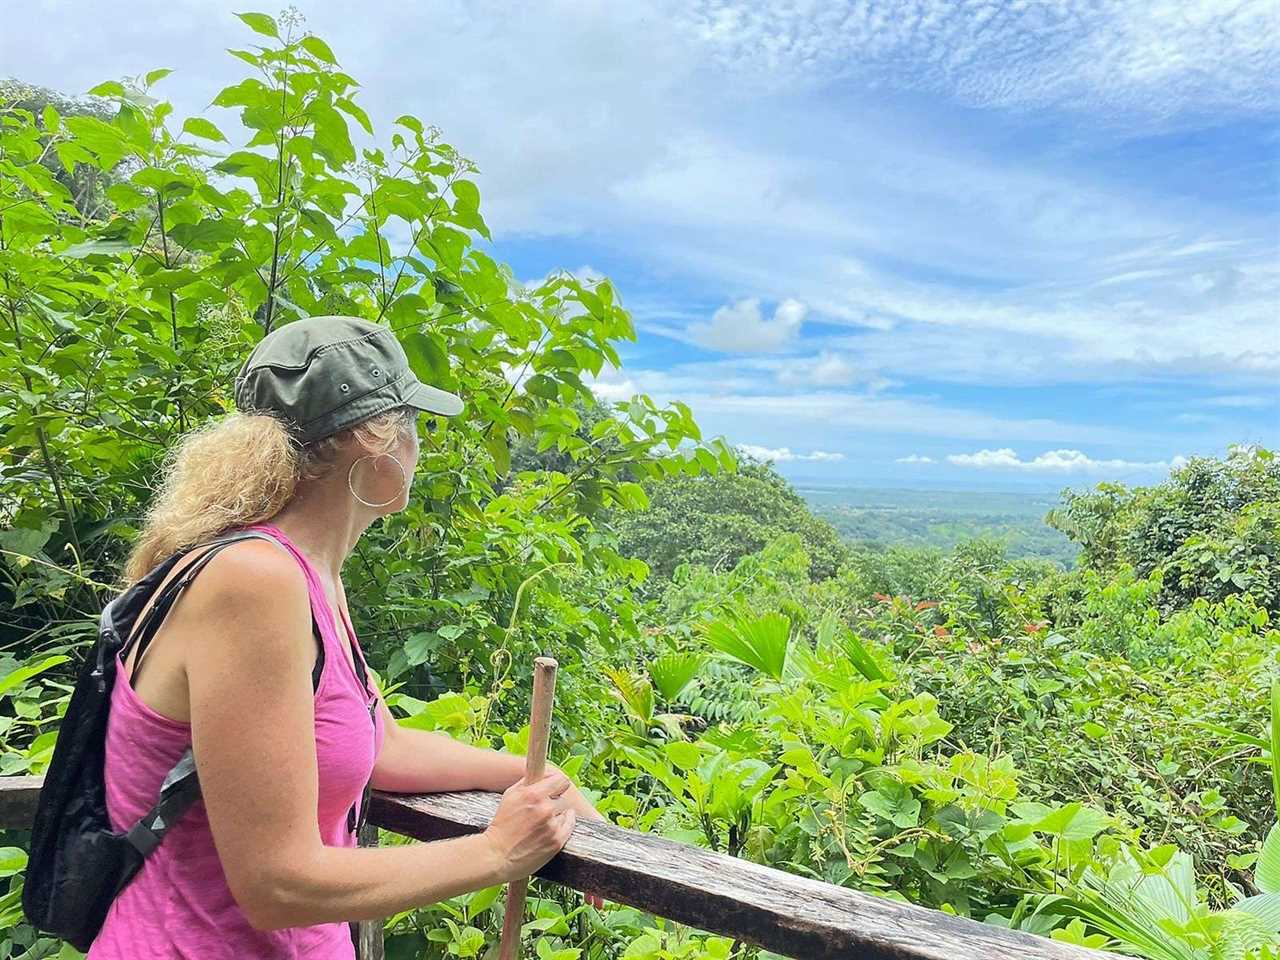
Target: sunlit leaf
260,23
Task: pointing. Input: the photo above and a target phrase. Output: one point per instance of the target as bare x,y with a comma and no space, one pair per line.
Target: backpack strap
180,789
164,603
361,674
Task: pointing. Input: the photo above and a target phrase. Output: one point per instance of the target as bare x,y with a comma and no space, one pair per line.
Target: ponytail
238,471
223,474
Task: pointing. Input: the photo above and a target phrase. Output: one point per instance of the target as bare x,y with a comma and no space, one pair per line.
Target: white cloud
1056,277
826,369
785,455
1241,401
612,391
732,395
1054,461
832,369
914,458
742,328
819,415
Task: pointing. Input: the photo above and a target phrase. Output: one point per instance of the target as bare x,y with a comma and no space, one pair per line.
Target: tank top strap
319,602
330,631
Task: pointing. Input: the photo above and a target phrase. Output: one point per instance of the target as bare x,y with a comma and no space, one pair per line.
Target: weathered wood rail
787,914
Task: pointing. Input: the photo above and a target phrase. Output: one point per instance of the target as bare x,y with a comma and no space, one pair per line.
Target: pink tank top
178,906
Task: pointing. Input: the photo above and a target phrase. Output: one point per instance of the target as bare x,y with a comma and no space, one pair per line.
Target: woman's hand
585,811
532,823
423,761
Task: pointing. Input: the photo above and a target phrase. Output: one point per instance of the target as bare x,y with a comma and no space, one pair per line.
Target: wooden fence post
367,934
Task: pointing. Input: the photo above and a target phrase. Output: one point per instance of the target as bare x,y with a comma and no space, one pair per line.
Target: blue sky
912,242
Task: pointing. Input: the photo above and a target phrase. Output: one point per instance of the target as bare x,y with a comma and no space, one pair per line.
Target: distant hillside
943,518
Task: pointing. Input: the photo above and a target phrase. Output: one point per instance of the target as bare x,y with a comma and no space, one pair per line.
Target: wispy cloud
1054,461
731,396
914,458
785,455
1242,401
612,391
1094,55
826,369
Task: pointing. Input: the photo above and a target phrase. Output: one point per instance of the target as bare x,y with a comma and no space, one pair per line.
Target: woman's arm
421,761
248,664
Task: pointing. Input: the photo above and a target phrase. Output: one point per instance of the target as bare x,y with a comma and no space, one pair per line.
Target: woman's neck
321,522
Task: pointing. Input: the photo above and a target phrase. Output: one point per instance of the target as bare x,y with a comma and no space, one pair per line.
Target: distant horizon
1029,486
1043,483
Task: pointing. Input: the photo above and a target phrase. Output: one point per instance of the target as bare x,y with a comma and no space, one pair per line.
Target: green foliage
717,520
759,642
673,672
124,330
128,304
1150,901
1213,528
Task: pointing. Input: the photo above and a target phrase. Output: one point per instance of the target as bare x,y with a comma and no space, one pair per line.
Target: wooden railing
787,914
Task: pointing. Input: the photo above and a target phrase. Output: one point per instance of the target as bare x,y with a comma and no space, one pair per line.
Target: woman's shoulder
251,573
252,610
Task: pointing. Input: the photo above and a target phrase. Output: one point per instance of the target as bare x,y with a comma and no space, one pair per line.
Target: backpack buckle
142,838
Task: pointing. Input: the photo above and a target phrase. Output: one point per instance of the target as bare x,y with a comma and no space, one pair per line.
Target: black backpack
77,863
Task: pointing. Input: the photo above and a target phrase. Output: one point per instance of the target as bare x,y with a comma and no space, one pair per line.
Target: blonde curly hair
239,470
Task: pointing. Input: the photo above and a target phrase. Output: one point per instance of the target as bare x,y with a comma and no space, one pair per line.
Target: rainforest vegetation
1091,754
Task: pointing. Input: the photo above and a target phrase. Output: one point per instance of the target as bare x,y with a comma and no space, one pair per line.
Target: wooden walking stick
544,692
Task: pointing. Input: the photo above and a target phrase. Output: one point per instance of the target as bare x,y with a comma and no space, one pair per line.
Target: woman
266,866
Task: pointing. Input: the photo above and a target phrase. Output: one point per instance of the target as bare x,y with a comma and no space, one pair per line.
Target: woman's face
412,448
377,478
407,452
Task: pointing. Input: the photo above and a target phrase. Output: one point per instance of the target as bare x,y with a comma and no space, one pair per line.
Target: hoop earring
404,475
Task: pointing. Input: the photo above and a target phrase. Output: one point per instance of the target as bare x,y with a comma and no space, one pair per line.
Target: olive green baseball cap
324,374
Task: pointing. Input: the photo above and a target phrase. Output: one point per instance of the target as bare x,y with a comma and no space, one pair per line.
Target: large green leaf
1267,877
672,672
200,127
260,23
1073,821
635,692
20,676
318,49
12,860
895,803
1264,906
759,642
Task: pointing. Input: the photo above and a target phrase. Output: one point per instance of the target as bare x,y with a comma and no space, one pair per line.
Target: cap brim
433,400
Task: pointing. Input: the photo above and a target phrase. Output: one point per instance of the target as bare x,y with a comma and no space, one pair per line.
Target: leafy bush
717,520
1213,526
